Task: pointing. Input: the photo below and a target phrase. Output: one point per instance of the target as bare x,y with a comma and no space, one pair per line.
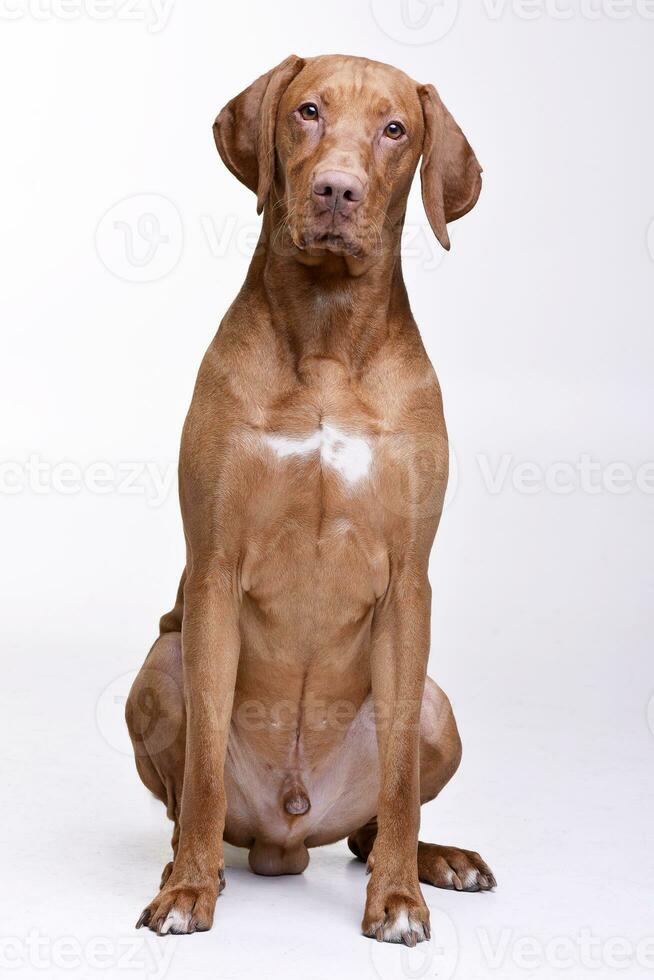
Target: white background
539,324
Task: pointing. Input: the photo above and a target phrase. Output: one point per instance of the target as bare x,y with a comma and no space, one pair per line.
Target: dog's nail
409,938
456,881
427,930
144,918
379,935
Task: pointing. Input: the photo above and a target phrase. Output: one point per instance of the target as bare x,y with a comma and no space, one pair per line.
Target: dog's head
333,143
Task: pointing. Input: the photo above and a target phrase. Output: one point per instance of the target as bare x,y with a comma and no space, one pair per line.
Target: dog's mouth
323,232
336,240
331,241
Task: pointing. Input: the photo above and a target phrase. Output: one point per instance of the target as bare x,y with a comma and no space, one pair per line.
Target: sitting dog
285,703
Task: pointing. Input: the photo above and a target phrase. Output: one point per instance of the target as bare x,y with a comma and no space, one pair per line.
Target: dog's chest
344,452
317,486
321,447
315,518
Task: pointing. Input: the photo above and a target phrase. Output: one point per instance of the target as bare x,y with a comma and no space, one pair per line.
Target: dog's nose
338,191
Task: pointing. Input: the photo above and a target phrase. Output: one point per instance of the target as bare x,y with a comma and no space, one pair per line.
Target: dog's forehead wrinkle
355,66
360,101
338,78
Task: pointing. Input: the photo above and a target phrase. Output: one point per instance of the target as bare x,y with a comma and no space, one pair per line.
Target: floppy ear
244,130
450,172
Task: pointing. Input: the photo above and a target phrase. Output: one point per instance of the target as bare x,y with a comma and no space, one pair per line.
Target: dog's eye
394,130
309,111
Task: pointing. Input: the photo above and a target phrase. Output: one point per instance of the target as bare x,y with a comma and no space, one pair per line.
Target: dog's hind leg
156,720
440,755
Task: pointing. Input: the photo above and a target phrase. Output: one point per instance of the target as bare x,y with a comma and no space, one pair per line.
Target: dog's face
333,144
349,135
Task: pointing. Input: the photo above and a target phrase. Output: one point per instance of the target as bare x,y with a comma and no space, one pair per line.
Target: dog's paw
402,925
395,915
451,867
180,910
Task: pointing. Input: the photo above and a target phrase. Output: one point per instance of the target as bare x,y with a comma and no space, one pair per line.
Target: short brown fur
285,704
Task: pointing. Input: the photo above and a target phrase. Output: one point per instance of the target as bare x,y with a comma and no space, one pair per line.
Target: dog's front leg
210,652
395,909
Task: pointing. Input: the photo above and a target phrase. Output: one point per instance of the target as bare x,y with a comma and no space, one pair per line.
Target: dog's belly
340,781
304,674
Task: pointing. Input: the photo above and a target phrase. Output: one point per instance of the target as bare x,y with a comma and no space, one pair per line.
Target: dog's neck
331,306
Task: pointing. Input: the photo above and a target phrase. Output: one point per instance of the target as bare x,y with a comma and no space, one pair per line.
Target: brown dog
285,704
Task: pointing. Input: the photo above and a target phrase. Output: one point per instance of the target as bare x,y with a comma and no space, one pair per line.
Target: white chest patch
349,455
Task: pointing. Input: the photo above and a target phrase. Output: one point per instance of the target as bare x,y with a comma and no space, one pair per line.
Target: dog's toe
177,922
454,868
396,917
398,926
179,911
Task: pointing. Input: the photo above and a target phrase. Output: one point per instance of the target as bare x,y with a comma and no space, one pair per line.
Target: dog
285,703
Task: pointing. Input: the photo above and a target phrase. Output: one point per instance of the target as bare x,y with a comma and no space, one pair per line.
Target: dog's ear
244,130
450,172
